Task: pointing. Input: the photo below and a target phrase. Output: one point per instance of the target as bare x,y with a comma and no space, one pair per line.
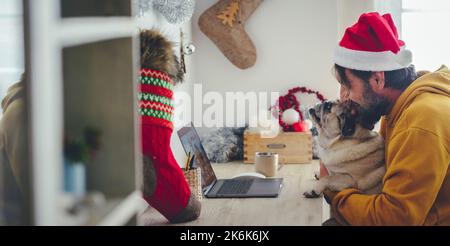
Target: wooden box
292,147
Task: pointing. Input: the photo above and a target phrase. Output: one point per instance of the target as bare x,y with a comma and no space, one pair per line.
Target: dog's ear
348,124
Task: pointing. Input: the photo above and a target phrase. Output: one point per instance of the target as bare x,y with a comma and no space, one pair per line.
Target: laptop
224,188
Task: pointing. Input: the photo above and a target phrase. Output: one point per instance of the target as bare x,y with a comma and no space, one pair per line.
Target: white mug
266,163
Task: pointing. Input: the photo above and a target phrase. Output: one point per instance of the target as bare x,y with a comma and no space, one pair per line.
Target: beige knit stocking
224,22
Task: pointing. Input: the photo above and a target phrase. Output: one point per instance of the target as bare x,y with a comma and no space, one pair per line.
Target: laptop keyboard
233,186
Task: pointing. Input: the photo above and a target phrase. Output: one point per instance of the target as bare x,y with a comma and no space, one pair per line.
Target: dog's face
333,119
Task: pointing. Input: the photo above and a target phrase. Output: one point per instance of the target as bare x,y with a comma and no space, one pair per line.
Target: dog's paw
311,194
312,189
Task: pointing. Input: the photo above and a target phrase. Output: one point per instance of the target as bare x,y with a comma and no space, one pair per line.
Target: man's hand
329,195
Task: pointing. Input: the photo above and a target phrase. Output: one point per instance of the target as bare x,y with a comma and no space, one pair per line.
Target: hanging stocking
224,24
170,194
165,187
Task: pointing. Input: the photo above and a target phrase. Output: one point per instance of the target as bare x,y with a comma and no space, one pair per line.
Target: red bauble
300,127
296,127
303,127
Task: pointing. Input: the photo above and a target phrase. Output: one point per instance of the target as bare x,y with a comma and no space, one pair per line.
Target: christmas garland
289,101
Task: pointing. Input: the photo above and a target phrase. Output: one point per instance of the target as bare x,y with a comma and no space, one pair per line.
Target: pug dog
351,152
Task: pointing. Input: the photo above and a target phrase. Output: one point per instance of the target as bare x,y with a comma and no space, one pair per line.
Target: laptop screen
191,143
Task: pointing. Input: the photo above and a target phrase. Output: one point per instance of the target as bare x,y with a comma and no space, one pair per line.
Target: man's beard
372,109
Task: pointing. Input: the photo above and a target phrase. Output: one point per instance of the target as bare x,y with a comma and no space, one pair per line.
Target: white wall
349,12
295,40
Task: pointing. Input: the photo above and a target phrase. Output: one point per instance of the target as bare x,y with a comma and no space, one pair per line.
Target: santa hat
372,44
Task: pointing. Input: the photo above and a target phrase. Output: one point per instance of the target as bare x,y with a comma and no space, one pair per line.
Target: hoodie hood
437,82
15,92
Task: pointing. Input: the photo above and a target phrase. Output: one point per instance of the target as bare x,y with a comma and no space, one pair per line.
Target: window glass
422,5
426,32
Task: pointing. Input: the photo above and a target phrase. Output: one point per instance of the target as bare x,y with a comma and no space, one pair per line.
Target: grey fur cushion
223,144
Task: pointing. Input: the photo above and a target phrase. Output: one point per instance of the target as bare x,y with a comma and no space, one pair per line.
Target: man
13,157
374,70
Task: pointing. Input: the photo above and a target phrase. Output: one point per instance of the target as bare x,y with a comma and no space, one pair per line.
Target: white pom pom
290,116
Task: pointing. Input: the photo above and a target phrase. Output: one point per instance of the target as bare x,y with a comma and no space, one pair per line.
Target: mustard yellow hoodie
416,187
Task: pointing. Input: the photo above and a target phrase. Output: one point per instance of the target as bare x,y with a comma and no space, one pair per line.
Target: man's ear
348,124
377,81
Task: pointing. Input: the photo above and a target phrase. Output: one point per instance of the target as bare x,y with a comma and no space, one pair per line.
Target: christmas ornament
185,50
288,103
143,6
189,49
300,126
175,11
224,22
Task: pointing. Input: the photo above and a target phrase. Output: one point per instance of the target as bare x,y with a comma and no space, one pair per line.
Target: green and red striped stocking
165,187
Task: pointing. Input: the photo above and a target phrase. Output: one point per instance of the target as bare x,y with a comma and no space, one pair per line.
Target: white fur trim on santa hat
372,61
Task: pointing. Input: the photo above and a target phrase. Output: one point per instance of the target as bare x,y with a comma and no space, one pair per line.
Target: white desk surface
289,208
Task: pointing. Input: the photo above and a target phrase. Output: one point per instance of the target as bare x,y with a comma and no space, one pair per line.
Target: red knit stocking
170,194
